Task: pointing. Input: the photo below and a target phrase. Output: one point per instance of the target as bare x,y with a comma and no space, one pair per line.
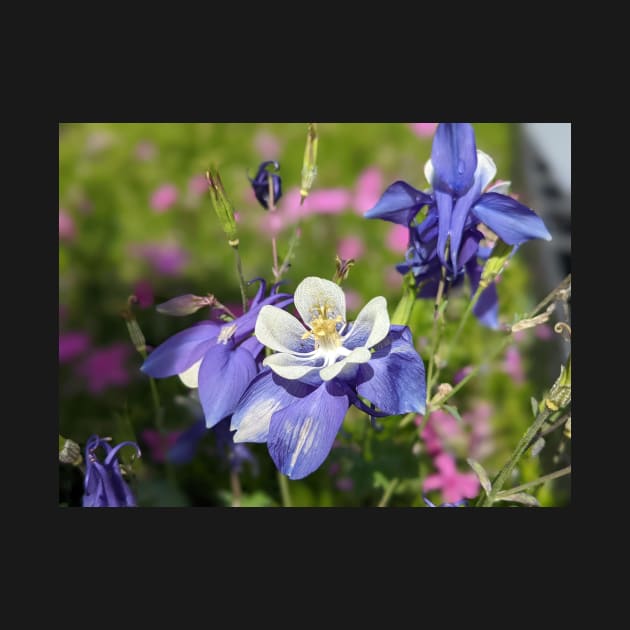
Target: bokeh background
135,218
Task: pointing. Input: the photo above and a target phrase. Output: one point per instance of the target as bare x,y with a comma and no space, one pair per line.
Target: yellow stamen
324,327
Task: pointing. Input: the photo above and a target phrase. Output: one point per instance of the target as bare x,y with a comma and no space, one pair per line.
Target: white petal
486,170
280,331
360,355
428,172
312,293
292,367
503,188
371,325
190,377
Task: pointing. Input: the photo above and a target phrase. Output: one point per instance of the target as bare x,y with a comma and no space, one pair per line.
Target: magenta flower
145,151
513,365
480,444
351,247
164,198
397,238
144,293
105,367
197,185
460,375
67,229
167,259
368,190
72,345
327,201
453,484
267,145
424,130
543,332
158,443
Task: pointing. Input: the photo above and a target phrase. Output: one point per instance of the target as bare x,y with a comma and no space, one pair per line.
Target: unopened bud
443,390
185,305
343,269
560,394
222,206
309,166
69,452
136,335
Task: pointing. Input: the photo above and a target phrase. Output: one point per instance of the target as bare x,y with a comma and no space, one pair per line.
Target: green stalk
283,482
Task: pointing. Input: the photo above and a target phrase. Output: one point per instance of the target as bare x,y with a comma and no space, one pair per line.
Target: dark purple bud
265,182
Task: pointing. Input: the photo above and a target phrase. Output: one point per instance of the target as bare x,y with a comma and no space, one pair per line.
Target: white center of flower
227,332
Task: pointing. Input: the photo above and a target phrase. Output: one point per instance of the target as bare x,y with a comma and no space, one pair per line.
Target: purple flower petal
187,443
510,220
454,157
394,378
302,434
399,204
181,350
487,308
224,375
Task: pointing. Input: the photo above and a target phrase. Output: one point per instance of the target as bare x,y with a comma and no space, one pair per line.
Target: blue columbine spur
458,202
220,358
104,484
297,404
260,184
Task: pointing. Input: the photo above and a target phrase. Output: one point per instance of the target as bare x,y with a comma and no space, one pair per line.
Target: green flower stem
531,484
241,278
463,320
520,449
283,482
286,263
436,335
388,493
235,484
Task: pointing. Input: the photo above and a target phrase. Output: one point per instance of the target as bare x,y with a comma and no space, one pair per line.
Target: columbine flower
219,358
457,205
104,483
260,184
297,404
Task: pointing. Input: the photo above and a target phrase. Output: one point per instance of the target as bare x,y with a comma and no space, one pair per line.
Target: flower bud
184,305
222,206
267,186
309,165
69,452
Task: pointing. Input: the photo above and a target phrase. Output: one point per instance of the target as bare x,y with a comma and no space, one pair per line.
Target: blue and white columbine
298,402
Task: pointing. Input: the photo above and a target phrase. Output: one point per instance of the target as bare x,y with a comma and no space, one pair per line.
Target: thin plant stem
388,493
436,335
241,278
285,493
463,320
235,484
531,484
521,447
274,247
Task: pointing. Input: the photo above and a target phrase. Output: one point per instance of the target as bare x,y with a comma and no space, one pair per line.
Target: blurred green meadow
136,218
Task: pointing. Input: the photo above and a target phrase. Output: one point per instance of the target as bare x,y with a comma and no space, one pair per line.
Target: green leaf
482,474
379,480
402,314
519,497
